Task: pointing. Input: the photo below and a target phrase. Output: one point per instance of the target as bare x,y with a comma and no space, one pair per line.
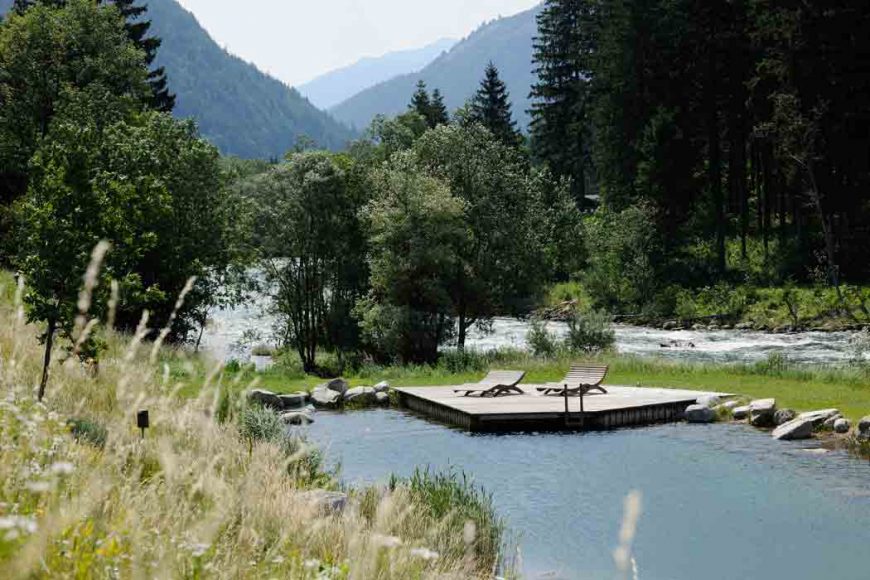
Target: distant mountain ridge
507,42
339,85
240,109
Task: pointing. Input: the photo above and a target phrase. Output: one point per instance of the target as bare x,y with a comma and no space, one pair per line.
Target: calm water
719,502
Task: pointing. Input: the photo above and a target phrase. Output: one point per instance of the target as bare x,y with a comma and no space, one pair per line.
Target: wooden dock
621,407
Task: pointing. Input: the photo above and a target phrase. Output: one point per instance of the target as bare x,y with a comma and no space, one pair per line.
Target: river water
227,329
719,501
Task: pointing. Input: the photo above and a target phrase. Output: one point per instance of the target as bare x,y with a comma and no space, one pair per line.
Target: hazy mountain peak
336,86
457,73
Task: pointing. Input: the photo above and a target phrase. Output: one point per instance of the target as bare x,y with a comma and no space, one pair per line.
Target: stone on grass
364,395
700,414
323,397
293,401
740,413
794,430
265,398
326,501
864,428
842,426
783,416
761,412
297,418
819,417
338,385
709,401
382,398
382,387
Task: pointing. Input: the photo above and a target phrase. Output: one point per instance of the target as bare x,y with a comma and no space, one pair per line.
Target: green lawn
800,388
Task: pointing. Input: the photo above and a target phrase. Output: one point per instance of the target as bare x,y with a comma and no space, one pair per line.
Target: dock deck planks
621,407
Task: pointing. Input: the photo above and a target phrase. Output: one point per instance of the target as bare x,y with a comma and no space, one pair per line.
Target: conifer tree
560,120
137,29
438,114
491,107
420,102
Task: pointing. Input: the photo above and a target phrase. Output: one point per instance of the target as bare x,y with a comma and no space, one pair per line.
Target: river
228,327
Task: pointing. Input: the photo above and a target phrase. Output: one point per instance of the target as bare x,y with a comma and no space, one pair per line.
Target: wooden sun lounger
495,384
579,381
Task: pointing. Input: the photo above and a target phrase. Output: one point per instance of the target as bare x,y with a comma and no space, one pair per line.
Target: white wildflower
38,486
425,554
62,468
311,564
386,541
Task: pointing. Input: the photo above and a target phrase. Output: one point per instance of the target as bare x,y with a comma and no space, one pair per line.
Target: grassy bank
756,307
214,489
798,387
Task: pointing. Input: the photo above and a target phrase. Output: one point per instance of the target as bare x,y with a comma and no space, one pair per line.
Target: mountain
507,42
240,109
334,87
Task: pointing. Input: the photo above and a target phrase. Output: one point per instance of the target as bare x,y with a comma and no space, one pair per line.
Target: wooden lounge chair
495,384
579,381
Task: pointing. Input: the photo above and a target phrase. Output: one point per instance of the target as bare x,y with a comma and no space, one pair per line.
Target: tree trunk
46,362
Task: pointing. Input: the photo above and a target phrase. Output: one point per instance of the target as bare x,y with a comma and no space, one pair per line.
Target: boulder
365,395
794,429
743,326
382,387
265,398
338,385
740,413
783,416
297,418
829,422
864,428
842,426
293,401
323,397
700,414
670,325
698,327
819,417
761,412
325,501
709,401
382,398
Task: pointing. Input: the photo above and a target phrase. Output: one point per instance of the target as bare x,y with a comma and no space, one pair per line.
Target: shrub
461,361
260,424
590,332
89,431
542,342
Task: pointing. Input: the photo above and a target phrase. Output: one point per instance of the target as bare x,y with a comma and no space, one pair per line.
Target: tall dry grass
193,498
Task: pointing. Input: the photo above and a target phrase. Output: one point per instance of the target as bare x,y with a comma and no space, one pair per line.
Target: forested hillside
507,42
336,86
241,110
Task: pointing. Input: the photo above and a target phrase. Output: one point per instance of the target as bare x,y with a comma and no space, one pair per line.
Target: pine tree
491,107
420,102
137,28
438,114
560,120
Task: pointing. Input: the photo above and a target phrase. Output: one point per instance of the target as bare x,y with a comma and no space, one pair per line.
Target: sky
298,40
